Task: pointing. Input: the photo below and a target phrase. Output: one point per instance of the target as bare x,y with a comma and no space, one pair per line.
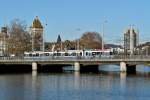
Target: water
75,86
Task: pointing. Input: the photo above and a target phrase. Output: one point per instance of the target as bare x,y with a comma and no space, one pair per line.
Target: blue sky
64,17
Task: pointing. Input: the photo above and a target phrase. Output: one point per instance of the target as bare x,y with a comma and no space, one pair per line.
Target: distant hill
108,46
145,44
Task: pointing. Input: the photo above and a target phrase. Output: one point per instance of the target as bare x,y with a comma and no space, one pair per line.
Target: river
105,85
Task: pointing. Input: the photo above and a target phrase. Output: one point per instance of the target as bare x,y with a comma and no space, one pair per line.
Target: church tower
37,35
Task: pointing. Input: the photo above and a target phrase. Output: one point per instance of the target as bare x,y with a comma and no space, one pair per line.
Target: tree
90,40
69,45
19,38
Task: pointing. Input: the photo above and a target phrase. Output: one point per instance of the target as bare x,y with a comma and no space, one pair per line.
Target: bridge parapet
115,59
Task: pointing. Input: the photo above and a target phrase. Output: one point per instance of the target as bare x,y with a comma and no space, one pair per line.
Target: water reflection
75,86
35,90
34,74
77,80
123,76
11,87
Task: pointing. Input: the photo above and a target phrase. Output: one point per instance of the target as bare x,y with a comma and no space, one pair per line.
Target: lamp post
44,33
103,31
78,41
61,44
44,39
32,32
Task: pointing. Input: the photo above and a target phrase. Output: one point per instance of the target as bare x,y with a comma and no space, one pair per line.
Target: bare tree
19,38
90,40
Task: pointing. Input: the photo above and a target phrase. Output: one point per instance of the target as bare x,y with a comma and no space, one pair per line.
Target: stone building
3,38
37,35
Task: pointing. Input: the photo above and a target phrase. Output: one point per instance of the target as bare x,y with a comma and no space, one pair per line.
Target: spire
36,23
59,39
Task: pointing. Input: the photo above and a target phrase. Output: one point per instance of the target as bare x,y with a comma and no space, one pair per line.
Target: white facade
130,40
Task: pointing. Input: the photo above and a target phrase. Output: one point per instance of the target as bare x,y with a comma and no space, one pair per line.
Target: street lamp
44,39
44,33
103,34
61,44
32,33
78,44
78,41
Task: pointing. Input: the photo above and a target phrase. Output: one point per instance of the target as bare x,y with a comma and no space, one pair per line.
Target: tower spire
58,39
37,35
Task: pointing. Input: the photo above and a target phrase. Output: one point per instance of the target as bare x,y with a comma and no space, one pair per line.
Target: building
59,39
37,35
131,38
3,37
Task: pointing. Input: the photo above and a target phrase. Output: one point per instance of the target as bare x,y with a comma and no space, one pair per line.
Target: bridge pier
77,66
127,67
34,66
123,67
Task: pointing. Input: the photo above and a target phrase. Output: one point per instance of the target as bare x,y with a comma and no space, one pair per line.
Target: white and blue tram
70,54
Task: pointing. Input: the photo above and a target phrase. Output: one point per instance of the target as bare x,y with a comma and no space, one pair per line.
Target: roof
36,23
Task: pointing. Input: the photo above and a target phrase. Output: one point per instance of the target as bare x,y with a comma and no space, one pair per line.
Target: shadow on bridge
15,68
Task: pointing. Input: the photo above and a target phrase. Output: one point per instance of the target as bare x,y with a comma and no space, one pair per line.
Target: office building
131,38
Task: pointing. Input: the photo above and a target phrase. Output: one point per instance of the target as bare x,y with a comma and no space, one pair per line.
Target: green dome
36,23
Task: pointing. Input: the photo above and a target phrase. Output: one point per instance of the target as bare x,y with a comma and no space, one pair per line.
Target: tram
70,54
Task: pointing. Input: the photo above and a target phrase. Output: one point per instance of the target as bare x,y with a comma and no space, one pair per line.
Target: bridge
127,63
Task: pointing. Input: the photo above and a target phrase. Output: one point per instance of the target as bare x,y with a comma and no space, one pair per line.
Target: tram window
62,54
86,53
33,55
80,53
54,54
46,54
98,53
93,53
37,54
41,54
58,54
73,54
66,54
26,55
111,53
30,55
